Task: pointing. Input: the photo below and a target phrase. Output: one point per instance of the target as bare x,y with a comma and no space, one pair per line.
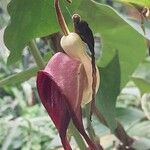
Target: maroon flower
60,86
66,83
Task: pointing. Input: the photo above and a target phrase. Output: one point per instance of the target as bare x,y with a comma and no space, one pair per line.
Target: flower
66,83
60,86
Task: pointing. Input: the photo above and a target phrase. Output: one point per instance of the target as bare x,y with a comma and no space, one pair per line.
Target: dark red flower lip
57,110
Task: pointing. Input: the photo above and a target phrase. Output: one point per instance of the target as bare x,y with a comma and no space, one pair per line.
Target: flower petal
69,75
55,104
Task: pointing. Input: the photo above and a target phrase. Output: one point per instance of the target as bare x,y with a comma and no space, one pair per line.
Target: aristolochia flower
65,84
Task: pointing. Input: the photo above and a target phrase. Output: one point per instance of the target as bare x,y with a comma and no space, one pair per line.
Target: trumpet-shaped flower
62,87
66,83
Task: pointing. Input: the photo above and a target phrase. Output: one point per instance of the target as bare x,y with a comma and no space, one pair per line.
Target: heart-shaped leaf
116,34
31,19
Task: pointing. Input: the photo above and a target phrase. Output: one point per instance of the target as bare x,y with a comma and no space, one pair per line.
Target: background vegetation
122,56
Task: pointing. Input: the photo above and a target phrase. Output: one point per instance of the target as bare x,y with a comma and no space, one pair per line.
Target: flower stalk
61,19
76,136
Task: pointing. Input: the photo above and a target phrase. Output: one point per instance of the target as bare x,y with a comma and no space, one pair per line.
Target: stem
122,135
90,128
77,136
19,77
100,116
61,19
89,125
93,83
55,42
36,54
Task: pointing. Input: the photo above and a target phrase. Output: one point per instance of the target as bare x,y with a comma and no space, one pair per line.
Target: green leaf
143,85
74,132
128,116
141,144
24,75
145,104
141,129
142,3
137,26
141,76
116,34
109,90
31,19
10,136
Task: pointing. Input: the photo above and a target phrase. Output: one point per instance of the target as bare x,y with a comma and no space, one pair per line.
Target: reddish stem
60,18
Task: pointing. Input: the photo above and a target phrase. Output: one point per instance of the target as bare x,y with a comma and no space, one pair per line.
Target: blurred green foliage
24,124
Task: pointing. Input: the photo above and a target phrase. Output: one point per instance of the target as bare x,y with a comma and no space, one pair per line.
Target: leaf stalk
36,54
